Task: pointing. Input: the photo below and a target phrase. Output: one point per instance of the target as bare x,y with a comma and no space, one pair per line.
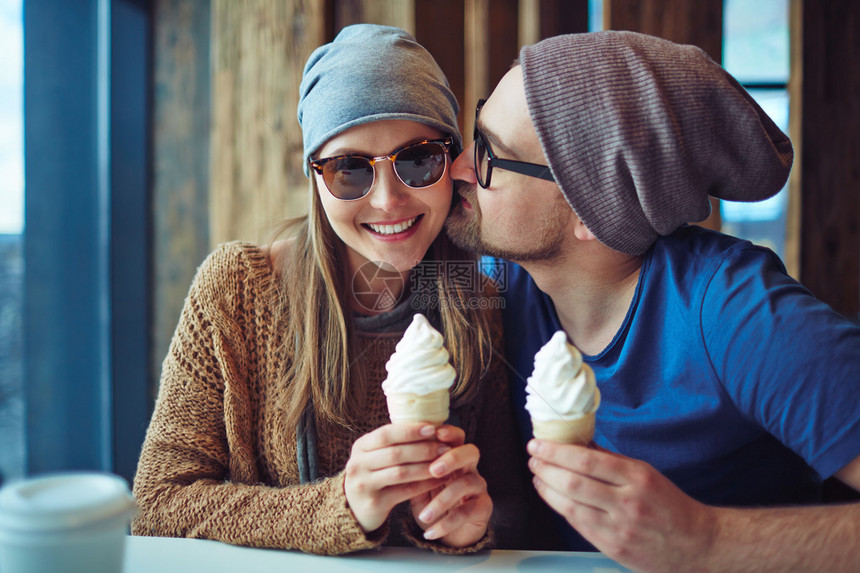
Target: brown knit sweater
219,461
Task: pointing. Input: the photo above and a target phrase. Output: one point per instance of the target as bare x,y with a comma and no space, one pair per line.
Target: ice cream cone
430,408
419,376
562,394
576,431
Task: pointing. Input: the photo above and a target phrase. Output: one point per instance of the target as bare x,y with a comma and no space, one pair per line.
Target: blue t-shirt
727,375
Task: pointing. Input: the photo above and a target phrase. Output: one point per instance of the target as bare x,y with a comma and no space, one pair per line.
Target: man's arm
636,516
850,474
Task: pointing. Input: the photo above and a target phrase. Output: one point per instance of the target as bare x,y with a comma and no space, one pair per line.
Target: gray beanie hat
638,131
372,73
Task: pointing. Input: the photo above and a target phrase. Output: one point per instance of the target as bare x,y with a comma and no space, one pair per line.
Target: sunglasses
485,160
417,165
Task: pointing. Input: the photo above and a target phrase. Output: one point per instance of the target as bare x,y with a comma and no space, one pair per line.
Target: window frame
87,86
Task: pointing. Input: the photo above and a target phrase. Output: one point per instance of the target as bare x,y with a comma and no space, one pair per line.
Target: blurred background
135,135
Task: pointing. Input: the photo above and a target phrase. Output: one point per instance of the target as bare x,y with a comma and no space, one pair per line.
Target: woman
270,427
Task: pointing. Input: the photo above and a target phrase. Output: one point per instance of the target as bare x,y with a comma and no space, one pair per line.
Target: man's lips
462,192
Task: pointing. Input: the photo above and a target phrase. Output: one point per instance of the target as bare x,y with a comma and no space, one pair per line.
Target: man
724,384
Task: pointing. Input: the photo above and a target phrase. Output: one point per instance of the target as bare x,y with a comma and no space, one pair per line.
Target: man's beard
465,231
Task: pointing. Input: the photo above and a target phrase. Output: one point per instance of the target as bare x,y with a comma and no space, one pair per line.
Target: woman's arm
199,473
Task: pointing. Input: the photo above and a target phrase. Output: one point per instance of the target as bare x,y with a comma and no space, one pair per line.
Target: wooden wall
825,93
180,171
259,48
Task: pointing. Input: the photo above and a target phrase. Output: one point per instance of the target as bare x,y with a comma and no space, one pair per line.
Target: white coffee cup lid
61,501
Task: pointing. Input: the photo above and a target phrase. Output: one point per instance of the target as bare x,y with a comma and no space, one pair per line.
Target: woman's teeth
392,229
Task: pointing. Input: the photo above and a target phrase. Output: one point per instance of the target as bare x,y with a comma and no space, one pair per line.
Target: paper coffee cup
74,522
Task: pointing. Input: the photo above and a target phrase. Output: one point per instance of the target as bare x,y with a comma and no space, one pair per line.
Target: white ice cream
561,386
419,364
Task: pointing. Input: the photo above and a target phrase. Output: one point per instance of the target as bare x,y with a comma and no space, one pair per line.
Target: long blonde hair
319,336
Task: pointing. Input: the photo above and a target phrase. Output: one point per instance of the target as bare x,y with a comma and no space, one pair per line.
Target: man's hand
457,513
625,507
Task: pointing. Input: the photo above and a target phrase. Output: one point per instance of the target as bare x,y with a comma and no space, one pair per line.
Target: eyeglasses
485,160
417,165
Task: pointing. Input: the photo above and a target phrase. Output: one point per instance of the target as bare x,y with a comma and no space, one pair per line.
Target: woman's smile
394,230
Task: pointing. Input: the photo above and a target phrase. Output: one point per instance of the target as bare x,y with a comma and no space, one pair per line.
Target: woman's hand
458,512
388,466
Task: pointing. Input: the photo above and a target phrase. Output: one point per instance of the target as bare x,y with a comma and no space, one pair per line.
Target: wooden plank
180,186
440,27
400,13
502,42
529,22
830,160
791,256
539,19
563,17
697,22
476,58
259,50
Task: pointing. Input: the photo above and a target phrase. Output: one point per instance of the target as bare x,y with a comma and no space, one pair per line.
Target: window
11,240
595,15
85,265
756,52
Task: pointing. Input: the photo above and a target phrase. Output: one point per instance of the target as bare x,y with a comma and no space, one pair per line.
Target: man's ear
580,231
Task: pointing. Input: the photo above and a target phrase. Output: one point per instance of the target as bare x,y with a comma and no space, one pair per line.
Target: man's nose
463,168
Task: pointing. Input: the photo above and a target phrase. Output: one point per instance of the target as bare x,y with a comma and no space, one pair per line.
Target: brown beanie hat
638,131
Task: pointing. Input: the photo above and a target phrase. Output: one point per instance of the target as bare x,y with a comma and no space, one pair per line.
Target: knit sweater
219,461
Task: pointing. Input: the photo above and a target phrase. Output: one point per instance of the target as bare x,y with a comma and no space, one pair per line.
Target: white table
169,555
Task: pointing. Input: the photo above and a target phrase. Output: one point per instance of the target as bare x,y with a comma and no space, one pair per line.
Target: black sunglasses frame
522,167
447,144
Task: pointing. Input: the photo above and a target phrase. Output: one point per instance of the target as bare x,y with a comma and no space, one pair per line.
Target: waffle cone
576,431
431,408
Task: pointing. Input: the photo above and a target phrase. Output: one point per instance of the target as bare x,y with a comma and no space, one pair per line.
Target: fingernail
533,447
427,431
532,463
442,450
426,516
438,470
430,534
